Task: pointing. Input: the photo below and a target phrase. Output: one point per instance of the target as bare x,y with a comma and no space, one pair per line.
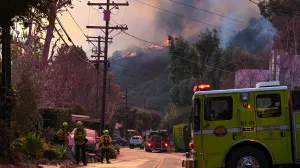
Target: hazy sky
153,25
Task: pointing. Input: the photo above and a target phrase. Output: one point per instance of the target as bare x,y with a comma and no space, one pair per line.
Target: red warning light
201,87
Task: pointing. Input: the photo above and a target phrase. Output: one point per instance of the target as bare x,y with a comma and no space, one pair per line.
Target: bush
33,145
116,147
78,109
54,117
55,153
17,151
181,137
113,153
48,135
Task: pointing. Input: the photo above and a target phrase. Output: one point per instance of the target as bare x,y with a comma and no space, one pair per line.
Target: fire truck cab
241,128
157,141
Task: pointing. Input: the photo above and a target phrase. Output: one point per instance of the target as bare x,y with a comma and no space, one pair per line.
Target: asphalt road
138,158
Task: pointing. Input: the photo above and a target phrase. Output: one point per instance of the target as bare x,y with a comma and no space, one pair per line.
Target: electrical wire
208,11
69,38
199,21
177,55
124,15
68,45
80,27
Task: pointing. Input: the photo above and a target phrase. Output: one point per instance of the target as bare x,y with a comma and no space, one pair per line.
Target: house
247,78
79,117
283,68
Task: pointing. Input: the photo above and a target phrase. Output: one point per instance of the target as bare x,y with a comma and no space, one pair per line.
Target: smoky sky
171,24
174,24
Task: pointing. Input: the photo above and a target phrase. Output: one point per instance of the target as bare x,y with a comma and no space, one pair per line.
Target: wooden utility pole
97,62
107,30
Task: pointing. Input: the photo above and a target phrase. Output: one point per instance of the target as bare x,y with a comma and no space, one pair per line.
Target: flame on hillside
147,48
133,54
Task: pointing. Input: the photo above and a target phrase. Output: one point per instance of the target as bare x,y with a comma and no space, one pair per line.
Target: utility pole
126,115
97,62
107,30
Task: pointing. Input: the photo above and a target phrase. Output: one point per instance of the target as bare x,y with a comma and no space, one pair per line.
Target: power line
164,10
208,11
68,45
79,26
177,55
69,38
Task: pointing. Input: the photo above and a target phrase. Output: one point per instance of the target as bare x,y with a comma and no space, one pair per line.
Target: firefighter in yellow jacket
62,134
105,141
80,141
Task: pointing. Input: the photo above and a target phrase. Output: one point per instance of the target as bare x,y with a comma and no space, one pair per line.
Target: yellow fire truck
245,128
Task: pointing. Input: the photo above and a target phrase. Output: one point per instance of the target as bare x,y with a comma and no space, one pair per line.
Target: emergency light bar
201,87
267,84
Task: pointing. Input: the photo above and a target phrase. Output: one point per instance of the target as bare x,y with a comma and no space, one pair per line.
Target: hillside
144,72
256,37
145,69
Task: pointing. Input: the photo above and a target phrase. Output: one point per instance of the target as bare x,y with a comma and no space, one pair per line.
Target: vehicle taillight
166,145
149,144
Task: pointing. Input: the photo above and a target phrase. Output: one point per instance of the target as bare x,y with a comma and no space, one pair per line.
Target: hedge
181,137
95,125
54,117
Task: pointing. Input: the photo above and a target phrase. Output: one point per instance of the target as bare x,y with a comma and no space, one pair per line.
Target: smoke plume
241,10
154,25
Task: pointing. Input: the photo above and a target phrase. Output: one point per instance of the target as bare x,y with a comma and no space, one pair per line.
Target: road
137,158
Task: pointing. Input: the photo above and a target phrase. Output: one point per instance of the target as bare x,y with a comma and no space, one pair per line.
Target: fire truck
245,128
157,141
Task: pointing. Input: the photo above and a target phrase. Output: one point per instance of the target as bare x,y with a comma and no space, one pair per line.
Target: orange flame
166,42
133,54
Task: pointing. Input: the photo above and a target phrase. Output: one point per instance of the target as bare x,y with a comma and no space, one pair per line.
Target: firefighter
105,141
80,141
62,134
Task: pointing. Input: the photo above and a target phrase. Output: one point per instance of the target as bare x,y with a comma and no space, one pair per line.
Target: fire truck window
296,100
219,108
196,115
268,105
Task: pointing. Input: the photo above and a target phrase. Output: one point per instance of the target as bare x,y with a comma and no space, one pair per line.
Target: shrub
54,117
17,151
33,145
48,134
181,137
113,153
116,147
78,109
55,153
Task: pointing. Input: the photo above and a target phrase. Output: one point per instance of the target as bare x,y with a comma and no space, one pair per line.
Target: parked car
118,140
136,141
92,144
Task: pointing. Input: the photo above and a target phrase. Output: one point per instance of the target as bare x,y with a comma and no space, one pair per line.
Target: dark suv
118,140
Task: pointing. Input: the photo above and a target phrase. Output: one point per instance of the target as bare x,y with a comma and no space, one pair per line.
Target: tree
284,15
208,46
18,9
179,66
